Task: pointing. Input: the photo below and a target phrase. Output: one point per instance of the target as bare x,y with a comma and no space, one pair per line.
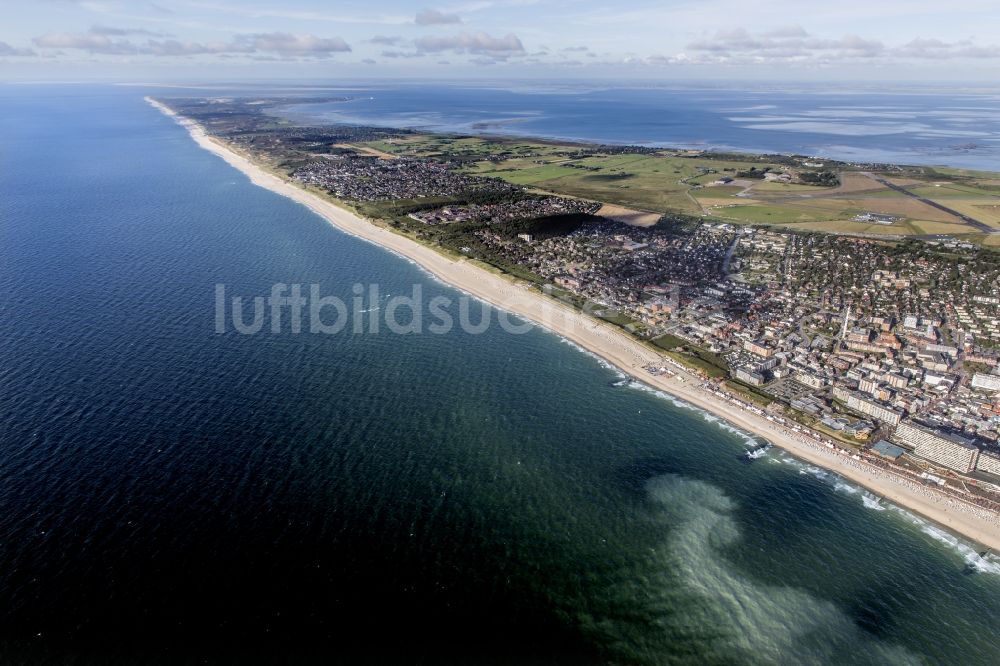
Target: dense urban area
889,344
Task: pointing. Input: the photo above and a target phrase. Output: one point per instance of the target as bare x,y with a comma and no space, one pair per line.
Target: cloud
571,49
935,49
434,17
794,45
385,40
111,31
8,50
86,41
401,54
282,44
368,61
850,45
173,47
286,43
96,40
782,44
479,43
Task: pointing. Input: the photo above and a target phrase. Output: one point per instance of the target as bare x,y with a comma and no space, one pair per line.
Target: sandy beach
624,352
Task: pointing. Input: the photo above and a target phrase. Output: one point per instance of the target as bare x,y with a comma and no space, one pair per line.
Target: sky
186,40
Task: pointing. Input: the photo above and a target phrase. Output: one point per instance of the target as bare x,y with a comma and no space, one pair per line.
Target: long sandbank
618,349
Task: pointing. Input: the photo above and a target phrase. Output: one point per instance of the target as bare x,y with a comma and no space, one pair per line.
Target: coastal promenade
624,352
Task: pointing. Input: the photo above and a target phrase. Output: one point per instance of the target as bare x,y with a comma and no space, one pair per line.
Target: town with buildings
861,339
367,178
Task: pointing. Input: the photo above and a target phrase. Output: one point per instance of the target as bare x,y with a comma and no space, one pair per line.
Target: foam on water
604,363
989,564
748,440
872,502
844,487
839,483
752,621
961,547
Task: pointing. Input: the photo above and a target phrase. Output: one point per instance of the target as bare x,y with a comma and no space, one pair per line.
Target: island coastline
623,352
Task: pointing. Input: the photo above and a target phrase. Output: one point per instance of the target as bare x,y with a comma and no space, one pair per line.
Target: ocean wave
750,441
965,549
989,563
849,488
811,470
872,502
604,363
958,545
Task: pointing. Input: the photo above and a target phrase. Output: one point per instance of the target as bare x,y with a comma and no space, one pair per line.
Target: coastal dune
618,349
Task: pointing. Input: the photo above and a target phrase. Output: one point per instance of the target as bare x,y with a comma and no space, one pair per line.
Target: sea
170,494
917,125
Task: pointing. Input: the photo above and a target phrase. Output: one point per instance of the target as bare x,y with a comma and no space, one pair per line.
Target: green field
774,214
667,182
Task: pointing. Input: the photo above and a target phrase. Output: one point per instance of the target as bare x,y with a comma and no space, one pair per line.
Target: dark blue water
953,127
170,495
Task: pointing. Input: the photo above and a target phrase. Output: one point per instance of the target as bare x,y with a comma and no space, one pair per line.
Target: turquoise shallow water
169,495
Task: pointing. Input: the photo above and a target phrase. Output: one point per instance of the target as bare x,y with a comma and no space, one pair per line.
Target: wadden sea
951,126
172,495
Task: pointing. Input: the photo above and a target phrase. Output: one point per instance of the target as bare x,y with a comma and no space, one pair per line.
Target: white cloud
282,44
935,49
385,40
286,43
434,17
478,43
793,45
782,44
401,54
86,41
112,31
173,47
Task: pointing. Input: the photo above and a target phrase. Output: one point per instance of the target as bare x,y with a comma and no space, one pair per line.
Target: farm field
657,182
628,216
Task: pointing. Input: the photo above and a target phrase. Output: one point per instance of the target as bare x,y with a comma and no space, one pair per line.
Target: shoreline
620,350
